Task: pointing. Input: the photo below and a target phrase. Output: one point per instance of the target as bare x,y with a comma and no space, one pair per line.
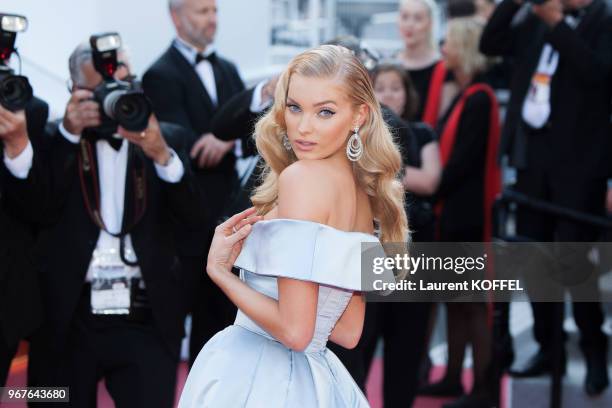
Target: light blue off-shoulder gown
243,365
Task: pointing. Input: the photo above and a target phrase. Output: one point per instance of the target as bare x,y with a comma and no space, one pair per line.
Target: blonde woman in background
470,181
419,26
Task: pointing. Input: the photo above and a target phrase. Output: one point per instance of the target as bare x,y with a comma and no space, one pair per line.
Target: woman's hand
227,242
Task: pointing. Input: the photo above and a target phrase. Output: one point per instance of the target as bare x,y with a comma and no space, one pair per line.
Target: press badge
536,107
111,283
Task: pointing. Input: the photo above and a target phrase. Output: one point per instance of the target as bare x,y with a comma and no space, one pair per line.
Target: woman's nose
305,125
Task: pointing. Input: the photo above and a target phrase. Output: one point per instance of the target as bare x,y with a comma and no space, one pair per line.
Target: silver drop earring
354,147
286,142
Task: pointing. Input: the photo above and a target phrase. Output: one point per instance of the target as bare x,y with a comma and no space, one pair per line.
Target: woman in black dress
418,25
403,325
469,138
394,89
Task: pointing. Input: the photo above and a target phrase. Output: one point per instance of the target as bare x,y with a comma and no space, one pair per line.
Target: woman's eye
326,113
293,108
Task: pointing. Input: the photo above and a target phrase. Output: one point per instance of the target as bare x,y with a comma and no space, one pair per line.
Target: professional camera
15,90
121,102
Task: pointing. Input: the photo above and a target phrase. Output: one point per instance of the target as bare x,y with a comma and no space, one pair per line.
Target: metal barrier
502,209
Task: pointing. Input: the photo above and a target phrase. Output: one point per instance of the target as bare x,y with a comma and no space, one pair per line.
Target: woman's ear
361,114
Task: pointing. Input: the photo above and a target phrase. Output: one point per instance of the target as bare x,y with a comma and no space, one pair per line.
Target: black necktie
212,58
576,13
114,142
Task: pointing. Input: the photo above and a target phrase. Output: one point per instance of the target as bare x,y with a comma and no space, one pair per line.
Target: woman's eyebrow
289,100
325,103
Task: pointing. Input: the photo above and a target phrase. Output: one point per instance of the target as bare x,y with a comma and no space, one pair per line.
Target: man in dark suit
186,85
239,115
112,286
557,136
20,305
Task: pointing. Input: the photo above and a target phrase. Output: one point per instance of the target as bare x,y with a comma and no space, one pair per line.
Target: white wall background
57,26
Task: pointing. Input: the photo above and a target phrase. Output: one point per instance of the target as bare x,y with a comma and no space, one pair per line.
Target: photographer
110,278
557,136
21,117
20,311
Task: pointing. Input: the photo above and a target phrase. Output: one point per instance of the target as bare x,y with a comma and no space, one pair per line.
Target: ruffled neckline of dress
310,251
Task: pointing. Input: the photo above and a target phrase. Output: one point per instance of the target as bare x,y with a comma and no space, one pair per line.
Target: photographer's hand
13,131
267,92
551,12
209,150
81,112
150,140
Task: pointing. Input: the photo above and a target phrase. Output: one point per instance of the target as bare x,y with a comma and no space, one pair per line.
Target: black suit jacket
179,96
235,120
580,88
20,305
51,196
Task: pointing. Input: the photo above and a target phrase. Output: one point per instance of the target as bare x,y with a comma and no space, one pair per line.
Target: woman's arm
282,319
499,36
424,180
349,327
303,194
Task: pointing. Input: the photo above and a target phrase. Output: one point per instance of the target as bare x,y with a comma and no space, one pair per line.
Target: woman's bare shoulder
305,191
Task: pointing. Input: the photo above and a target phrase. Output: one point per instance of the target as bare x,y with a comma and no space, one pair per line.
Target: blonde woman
418,25
470,181
331,169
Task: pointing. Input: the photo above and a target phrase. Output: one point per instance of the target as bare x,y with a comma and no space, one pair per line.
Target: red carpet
17,378
375,378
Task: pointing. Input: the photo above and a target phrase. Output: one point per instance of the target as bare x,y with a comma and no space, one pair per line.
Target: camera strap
90,188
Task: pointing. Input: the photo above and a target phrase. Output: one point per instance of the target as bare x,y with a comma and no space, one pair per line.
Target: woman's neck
462,79
419,56
340,159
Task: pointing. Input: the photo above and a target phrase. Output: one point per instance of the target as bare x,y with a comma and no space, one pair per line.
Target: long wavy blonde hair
377,169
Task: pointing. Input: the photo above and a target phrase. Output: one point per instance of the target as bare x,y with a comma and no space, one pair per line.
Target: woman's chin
410,42
306,156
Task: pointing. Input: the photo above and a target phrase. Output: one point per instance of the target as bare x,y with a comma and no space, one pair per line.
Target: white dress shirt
206,74
257,103
203,69
112,168
20,165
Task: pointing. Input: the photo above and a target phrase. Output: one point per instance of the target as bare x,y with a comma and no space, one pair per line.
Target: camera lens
15,92
130,109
